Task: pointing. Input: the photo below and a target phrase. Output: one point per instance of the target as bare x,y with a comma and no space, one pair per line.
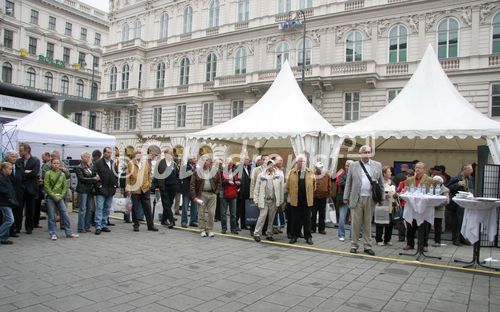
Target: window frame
52,23
164,18
48,81
180,115
493,97
66,57
351,111
213,13
8,38
49,51
211,67
187,20
117,120
398,49
355,40
125,76
396,91
32,45
160,75
125,32
31,77
282,55
83,33
68,29
94,89
448,40
208,114
237,107
132,119
495,24
34,17
10,5
64,84
113,77
7,72
157,112
137,29
184,68
92,120
240,61
97,39
243,11
80,86
284,6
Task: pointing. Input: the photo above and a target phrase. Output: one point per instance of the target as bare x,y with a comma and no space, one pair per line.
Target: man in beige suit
358,196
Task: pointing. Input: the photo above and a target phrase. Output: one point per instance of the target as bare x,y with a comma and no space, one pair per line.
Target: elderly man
203,186
358,196
244,193
423,179
138,184
27,169
300,185
322,193
462,182
187,201
260,166
105,190
166,181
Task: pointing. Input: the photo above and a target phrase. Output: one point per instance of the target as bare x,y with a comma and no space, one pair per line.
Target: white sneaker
203,234
341,239
380,243
210,234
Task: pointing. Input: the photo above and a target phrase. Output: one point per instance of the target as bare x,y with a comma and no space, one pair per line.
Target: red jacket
230,190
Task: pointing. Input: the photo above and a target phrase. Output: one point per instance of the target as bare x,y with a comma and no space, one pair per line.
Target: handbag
397,211
377,189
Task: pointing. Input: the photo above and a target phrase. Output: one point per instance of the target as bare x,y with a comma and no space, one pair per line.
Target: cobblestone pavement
177,270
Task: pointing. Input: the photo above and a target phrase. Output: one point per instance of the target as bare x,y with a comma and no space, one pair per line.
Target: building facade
188,65
54,47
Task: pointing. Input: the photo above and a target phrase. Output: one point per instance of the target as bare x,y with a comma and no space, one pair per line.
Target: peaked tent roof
47,126
433,108
282,112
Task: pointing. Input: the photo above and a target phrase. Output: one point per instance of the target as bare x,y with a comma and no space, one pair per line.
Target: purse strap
57,180
366,172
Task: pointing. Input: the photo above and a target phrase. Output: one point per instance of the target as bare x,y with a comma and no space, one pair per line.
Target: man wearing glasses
358,196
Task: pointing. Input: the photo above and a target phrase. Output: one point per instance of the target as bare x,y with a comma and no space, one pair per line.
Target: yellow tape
414,262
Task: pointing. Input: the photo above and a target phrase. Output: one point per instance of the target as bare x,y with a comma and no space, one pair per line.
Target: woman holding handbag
87,178
55,186
230,185
390,190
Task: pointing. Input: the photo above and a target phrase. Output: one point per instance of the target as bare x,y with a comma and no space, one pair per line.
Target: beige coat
260,189
138,180
292,187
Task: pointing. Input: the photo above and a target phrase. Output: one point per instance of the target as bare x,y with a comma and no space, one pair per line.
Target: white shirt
108,162
366,187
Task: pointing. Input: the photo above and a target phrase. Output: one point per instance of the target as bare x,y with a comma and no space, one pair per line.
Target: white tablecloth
476,212
421,207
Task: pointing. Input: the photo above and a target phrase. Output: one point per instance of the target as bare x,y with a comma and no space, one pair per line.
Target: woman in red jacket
230,184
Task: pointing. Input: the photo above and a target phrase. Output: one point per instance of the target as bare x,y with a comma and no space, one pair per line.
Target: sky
100,4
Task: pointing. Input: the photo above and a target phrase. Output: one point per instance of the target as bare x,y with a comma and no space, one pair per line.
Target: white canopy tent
282,117
46,130
429,108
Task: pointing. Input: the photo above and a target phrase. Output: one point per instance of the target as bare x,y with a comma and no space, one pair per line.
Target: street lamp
92,96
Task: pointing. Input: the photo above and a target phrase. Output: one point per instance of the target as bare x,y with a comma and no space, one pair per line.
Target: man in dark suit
244,192
27,170
463,182
165,180
105,190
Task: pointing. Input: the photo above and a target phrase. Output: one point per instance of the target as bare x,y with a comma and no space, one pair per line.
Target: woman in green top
55,186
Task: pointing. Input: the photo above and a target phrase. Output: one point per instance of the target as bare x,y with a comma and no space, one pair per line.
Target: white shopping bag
330,215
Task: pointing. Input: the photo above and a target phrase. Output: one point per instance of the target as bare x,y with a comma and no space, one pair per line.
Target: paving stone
68,303
263,306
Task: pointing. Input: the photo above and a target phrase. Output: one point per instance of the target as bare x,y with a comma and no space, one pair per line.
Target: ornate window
7,72
48,81
211,67
125,32
398,44
304,4
284,6
213,14
64,84
300,49
351,106
163,25
93,91
282,54
160,75
243,10
448,38
354,47
137,29
125,76
79,88
112,78
187,21
184,73
240,61
495,44
30,77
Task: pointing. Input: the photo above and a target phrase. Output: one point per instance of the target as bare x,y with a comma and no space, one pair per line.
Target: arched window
282,54
284,6
184,74
112,78
211,67
448,38
243,10
304,4
7,72
354,47
79,88
125,76
64,84
240,61
93,91
213,14
300,49
398,44
163,25
495,44
160,75
30,77
125,32
187,21
137,29
48,81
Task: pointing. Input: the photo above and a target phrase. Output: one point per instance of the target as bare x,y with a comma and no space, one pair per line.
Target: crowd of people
213,188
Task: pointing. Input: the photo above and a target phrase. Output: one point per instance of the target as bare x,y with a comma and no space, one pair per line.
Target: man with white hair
358,196
462,182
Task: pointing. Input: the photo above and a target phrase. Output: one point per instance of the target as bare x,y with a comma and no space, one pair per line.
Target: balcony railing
348,68
208,85
186,36
232,80
396,69
354,5
450,64
494,60
157,92
241,25
182,89
212,31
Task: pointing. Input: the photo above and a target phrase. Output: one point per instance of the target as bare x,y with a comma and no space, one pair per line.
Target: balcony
111,94
232,80
241,25
212,31
354,5
396,69
348,68
283,17
182,89
123,93
450,64
158,92
186,36
494,60
209,85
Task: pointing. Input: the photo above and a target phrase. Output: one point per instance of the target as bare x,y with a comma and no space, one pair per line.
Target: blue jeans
102,211
8,220
84,210
342,215
232,213
193,217
63,216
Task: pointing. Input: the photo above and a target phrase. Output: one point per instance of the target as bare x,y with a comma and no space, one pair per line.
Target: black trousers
423,232
167,200
385,229
456,217
301,215
318,207
145,200
38,208
240,212
438,229
26,200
